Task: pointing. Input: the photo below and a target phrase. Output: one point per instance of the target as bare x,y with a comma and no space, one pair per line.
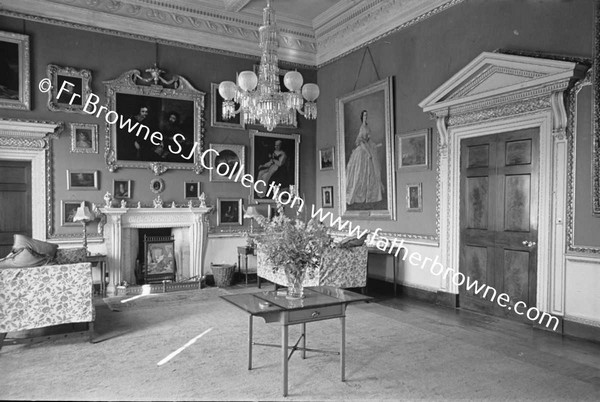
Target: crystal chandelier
260,98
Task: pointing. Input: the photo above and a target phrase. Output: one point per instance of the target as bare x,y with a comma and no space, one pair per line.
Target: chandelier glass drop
260,98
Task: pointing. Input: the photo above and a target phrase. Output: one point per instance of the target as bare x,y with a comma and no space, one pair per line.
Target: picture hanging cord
361,64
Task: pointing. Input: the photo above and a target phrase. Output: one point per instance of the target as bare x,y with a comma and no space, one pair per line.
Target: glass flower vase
295,277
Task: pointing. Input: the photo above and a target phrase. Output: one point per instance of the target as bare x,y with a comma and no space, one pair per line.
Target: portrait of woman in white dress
363,172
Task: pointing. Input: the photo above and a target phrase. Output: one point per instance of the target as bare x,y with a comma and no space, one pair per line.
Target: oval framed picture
157,185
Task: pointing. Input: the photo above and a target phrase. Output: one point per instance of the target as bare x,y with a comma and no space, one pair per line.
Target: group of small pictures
84,138
68,209
122,189
229,211
82,180
327,196
191,189
326,158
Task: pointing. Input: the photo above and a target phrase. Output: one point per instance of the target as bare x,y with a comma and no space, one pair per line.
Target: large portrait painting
14,71
365,143
163,126
274,158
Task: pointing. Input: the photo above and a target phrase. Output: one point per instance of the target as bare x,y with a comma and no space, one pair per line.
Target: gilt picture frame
414,197
191,190
366,115
414,150
84,138
216,111
70,88
327,196
15,83
82,180
233,155
265,162
154,104
327,158
68,209
122,189
229,211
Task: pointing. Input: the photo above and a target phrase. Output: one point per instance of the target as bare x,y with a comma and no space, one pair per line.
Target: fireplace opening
155,261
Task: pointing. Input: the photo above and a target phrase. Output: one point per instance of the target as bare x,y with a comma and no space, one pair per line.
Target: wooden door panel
516,275
517,201
478,156
477,208
476,264
15,202
518,152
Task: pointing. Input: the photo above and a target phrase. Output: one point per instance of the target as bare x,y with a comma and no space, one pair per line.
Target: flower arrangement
292,244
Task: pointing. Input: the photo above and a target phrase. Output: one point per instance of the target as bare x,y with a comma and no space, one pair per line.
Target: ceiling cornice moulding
368,21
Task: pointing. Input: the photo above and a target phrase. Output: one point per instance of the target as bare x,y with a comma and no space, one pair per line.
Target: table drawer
318,313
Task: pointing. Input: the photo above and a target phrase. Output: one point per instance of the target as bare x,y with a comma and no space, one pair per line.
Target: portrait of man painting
366,161
274,159
167,116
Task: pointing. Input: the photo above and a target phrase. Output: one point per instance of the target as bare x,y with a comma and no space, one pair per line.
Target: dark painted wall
108,56
424,56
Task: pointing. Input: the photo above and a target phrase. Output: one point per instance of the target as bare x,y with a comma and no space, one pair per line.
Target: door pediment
500,78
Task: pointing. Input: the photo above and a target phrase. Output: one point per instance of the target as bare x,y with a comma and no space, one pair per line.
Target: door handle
529,244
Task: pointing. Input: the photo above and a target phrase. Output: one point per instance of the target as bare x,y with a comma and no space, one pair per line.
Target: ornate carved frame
53,71
24,99
132,82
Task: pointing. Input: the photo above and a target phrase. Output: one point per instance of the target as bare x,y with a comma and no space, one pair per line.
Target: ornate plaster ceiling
312,32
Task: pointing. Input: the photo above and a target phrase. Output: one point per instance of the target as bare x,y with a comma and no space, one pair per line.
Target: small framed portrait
216,111
157,185
414,150
82,180
84,138
14,80
122,189
326,158
229,211
228,162
68,209
414,197
191,189
70,88
327,196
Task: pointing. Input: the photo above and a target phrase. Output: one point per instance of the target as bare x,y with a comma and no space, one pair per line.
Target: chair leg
2,336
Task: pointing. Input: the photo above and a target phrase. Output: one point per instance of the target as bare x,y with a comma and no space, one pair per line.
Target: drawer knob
315,314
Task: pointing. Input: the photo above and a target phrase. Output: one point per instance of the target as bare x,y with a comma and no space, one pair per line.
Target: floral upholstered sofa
340,267
41,296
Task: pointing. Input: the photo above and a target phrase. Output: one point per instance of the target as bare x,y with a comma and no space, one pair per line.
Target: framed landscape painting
326,158
414,150
365,152
68,209
148,105
274,158
14,81
82,180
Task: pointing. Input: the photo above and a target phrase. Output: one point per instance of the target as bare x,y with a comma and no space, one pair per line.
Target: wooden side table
244,251
100,261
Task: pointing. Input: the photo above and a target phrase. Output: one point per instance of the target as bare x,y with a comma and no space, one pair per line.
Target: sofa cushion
24,258
353,241
37,246
70,255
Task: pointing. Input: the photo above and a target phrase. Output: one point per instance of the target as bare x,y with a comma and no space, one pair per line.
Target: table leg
246,268
304,340
394,267
284,356
343,349
250,342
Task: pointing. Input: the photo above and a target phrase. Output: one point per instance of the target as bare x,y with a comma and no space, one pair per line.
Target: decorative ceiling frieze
229,26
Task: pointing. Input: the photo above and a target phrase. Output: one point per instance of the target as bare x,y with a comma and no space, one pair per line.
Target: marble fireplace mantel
120,221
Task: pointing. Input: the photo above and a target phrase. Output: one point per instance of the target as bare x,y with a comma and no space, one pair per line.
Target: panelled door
499,219
15,202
